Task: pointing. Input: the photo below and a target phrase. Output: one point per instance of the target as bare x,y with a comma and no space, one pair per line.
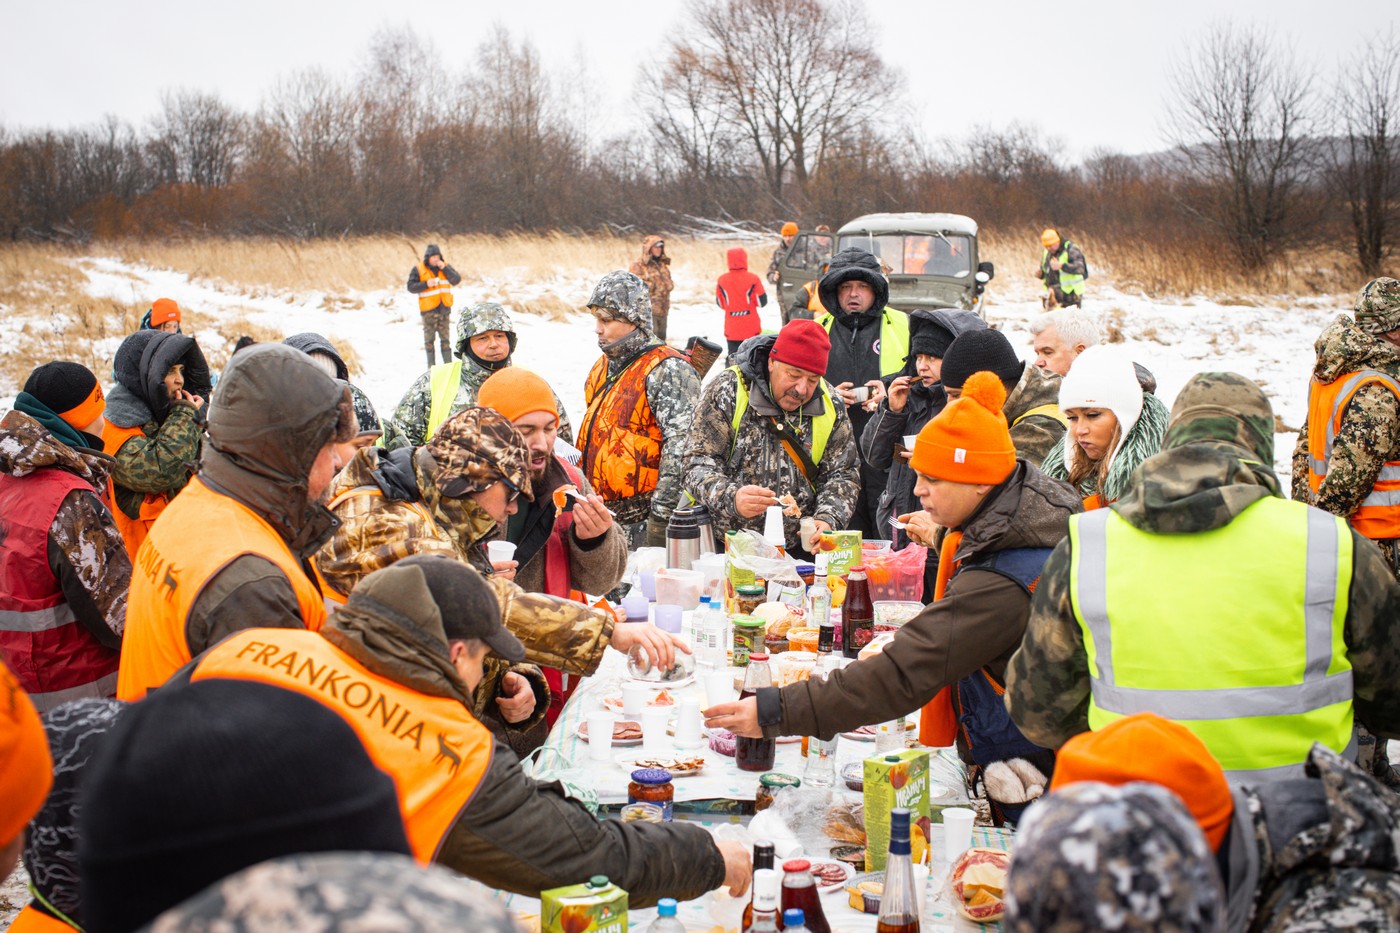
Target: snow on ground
1270,341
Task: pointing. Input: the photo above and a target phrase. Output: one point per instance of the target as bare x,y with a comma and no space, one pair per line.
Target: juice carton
843,551
596,907
897,779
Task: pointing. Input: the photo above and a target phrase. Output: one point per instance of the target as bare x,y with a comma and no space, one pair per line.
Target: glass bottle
800,891
755,754
857,614
762,858
819,608
899,904
765,902
820,768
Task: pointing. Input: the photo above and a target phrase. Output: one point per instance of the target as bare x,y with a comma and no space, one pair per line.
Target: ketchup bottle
755,754
800,891
857,614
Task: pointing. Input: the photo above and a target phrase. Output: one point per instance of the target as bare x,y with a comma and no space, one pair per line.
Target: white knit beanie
1102,377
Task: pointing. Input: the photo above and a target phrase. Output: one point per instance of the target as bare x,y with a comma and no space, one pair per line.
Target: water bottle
820,769
666,921
713,636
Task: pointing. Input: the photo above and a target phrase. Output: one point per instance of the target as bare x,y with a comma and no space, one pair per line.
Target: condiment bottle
800,891
765,902
762,858
819,608
899,903
755,754
857,614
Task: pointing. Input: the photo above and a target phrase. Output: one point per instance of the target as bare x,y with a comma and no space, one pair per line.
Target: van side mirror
985,272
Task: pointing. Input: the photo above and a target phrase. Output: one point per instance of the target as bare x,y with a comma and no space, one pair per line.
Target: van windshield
917,254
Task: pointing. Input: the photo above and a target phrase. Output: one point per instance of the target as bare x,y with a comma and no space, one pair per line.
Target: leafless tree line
758,110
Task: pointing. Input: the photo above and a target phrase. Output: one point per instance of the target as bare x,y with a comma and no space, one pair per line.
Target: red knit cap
803,344
1146,747
163,310
968,442
516,392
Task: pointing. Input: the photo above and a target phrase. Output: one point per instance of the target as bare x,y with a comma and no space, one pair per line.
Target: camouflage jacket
161,459
718,461
1370,433
94,569
404,515
1036,435
1215,463
657,274
778,255
1315,854
409,425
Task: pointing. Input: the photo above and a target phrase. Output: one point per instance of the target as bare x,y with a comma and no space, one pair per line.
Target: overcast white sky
1092,72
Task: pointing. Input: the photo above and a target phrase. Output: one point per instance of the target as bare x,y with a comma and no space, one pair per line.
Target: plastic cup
500,551
719,686
600,733
920,886
957,832
668,618
646,579
909,441
654,720
689,724
634,700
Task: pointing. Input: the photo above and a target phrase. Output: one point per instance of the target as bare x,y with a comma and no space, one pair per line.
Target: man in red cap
769,426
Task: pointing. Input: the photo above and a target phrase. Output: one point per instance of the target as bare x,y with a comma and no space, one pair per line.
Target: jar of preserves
642,813
808,573
749,597
748,638
768,787
653,785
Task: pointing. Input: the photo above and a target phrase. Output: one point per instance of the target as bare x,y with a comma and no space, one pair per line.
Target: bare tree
1364,162
1239,119
197,139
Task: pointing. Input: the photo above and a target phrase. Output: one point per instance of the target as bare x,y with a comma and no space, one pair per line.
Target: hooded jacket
309,343
740,294
656,272
1034,433
978,623
416,284
718,460
1216,461
1144,440
883,439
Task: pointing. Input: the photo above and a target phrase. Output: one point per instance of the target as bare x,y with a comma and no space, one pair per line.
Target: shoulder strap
1048,411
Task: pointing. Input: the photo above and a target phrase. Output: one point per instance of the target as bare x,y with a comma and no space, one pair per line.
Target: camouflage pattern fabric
717,462
779,255
1035,436
409,425
83,528
340,892
476,448
161,461
1378,306
656,273
1370,432
366,418
623,296
1095,857
437,325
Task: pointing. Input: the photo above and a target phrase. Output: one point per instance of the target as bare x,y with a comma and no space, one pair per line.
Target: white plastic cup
500,551
957,832
654,720
910,440
600,733
634,700
773,532
719,686
689,723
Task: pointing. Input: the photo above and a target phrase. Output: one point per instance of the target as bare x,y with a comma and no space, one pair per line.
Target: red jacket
740,293
558,582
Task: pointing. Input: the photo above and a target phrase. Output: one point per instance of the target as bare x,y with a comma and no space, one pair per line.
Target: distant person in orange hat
1063,270
163,314
26,770
788,231
1329,862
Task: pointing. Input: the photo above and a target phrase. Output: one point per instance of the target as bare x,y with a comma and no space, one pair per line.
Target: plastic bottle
794,921
800,891
765,902
755,754
666,921
820,769
857,614
714,636
763,855
899,904
819,608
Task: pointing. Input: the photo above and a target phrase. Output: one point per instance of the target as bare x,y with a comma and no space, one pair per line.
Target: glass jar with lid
768,787
653,785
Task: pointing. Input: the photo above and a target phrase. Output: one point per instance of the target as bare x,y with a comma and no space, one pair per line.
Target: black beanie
201,780
978,350
931,340
61,385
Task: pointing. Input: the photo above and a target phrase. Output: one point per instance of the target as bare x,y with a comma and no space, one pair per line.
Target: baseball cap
466,602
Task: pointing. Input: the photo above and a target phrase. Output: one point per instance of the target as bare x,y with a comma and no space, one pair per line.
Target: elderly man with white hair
1060,336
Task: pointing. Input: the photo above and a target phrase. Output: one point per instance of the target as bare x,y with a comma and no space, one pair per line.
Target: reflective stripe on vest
445,380
894,338
1378,515
1048,411
1069,284
178,560
439,290
432,747
822,425
1250,656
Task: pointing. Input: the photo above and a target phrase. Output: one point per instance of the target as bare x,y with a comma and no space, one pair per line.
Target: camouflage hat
366,418
340,891
1223,407
475,448
623,296
1096,857
1378,306
480,318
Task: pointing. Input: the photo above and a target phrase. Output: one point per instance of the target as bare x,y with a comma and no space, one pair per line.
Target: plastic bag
748,558
896,574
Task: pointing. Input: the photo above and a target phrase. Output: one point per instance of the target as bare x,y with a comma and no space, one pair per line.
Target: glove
655,533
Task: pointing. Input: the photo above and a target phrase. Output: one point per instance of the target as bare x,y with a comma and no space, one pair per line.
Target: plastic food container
768,787
679,587
803,639
891,614
642,813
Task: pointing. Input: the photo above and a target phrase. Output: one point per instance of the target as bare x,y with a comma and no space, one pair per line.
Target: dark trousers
438,323
658,325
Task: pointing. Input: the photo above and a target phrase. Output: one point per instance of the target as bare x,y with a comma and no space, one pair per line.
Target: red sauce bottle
800,891
755,754
857,614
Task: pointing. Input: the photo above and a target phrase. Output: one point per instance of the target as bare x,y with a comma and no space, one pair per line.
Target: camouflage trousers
658,325
437,323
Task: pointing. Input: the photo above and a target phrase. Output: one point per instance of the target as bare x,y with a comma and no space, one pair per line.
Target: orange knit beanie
516,392
1146,747
26,770
968,442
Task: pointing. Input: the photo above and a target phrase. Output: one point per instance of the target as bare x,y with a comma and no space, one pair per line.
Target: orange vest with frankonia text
621,438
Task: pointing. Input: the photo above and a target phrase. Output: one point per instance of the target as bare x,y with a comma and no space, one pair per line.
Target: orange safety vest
814,299
33,920
438,291
621,439
432,747
199,535
1378,516
133,530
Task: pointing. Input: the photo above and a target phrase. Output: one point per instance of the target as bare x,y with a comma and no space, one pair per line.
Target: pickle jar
642,813
749,597
768,787
748,638
653,785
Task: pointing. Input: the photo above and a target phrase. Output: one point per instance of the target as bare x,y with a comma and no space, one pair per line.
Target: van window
810,252
917,254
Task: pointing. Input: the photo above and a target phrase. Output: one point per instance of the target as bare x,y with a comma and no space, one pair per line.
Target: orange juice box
896,779
595,907
843,551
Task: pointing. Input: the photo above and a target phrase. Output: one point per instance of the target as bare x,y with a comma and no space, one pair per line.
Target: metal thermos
684,541
707,529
